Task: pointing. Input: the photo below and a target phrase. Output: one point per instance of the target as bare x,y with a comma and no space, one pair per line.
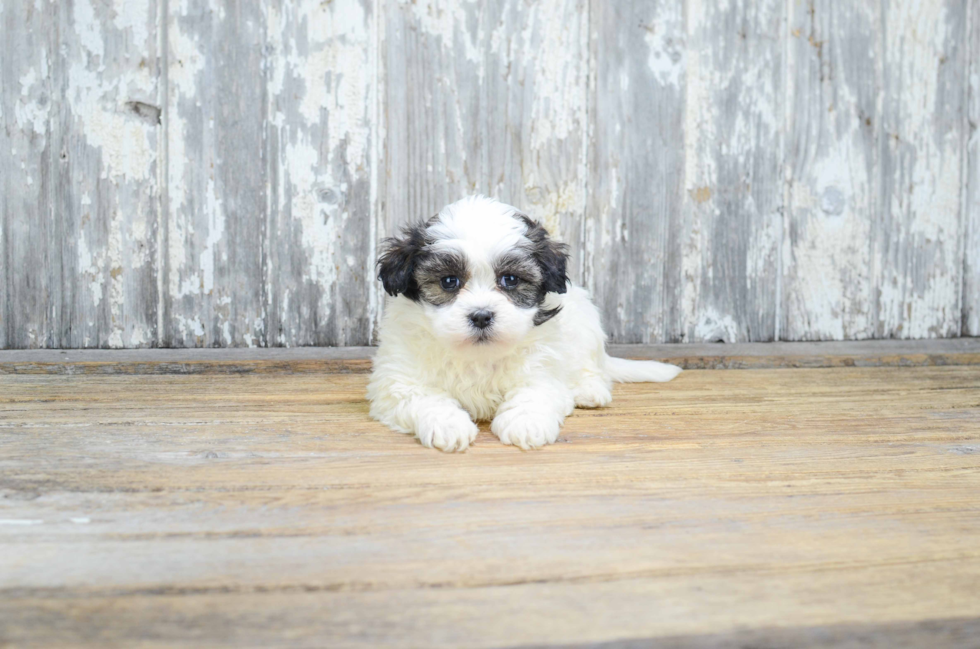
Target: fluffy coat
484,325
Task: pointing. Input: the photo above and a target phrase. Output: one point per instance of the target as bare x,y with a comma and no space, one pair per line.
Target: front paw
447,429
526,427
592,393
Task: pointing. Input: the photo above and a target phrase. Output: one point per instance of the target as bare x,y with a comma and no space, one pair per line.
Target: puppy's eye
509,281
450,283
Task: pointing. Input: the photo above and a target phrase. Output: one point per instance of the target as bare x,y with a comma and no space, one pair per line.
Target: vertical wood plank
729,231
971,250
919,234
80,201
827,291
637,163
321,247
487,97
30,259
217,174
107,194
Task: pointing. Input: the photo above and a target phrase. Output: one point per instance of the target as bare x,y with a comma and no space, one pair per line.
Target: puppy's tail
624,370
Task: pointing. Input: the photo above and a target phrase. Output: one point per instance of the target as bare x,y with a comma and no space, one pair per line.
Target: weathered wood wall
218,173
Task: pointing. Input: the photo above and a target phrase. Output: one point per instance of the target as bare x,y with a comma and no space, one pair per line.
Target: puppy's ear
550,255
396,266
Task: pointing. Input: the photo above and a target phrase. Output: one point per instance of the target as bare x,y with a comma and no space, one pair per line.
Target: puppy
484,325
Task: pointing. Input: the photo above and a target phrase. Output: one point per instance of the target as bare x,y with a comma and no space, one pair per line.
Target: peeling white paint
530,142
123,139
827,252
139,336
924,193
133,15
88,28
186,65
831,299
138,249
713,326
320,232
558,108
732,143
190,326
698,172
321,95
439,18
90,265
665,38
33,112
216,231
342,58
114,261
971,242
565,201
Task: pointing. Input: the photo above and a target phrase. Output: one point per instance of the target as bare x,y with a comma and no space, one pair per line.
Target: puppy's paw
526,427
447,429
592,393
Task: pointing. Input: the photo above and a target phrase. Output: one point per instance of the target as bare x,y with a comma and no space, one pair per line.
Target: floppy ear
550,255
396,266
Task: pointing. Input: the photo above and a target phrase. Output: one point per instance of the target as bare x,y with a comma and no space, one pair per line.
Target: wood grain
827,285
80,151
918,270
486,97
320,257
636,165
730,230
248,510
110,65
971,242
219,174
31,289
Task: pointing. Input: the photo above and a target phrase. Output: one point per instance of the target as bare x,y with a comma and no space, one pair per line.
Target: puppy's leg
531,417
592,391
582,348
436,419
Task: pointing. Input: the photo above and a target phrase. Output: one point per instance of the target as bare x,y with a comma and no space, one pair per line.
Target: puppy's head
479,270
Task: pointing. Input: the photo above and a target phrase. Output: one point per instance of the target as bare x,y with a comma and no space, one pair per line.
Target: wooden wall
193,173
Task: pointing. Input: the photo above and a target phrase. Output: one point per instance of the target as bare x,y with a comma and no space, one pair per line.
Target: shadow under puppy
485,325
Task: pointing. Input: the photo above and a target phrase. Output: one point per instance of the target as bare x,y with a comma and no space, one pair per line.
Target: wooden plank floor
789,507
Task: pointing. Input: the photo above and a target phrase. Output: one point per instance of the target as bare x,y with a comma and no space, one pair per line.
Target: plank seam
877,329
375,299
270,149
965,229
588,256
163,173
787,207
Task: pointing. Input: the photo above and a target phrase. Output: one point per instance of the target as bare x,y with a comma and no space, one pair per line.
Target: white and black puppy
484,325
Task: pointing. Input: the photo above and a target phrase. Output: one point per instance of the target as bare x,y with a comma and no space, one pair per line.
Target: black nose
481,319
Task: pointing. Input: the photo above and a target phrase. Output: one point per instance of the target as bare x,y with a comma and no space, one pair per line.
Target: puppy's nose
481,319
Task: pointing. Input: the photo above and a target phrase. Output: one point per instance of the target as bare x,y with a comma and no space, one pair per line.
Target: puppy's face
479,270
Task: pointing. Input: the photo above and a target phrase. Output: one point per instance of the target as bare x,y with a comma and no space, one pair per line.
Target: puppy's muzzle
481,319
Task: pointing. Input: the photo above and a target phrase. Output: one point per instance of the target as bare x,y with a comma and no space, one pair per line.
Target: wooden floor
764,508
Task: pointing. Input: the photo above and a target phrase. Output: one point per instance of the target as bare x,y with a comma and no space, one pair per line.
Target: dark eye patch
527,293
429,275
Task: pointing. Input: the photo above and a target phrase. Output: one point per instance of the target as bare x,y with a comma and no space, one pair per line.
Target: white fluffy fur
432,380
